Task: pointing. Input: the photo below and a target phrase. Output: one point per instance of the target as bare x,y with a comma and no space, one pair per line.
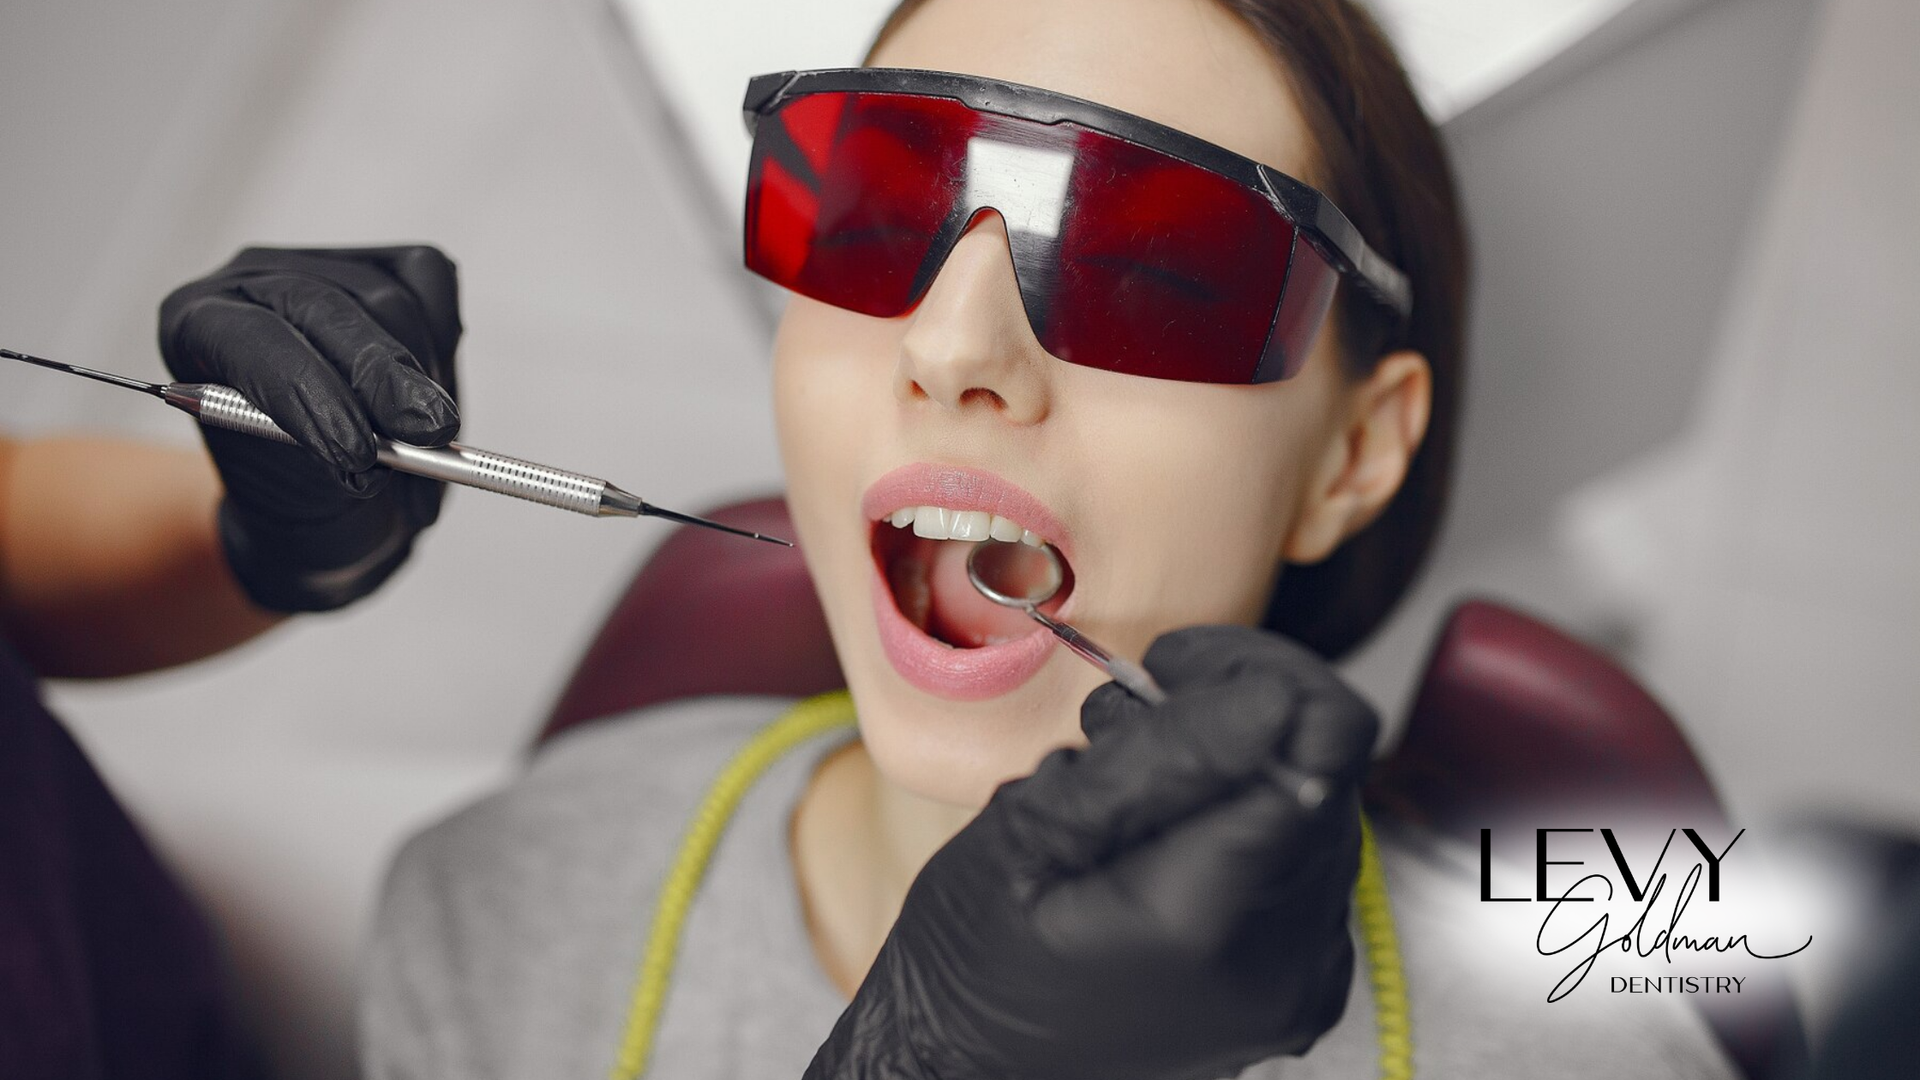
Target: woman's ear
1366,457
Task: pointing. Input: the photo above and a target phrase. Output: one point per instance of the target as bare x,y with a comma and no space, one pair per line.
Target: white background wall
1689,428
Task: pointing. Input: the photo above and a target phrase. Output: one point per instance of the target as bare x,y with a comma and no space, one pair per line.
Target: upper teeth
940,523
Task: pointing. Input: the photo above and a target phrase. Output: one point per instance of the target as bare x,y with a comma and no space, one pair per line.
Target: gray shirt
510,935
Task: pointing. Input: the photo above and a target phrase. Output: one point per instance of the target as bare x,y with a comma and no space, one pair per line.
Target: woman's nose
969,345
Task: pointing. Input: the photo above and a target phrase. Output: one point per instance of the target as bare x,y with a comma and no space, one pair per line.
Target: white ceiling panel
1460,52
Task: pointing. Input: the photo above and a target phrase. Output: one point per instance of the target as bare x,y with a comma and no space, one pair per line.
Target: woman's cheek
1200,497
804,415
814,407
798,395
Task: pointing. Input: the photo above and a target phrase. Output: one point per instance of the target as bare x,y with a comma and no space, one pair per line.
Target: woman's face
1174,503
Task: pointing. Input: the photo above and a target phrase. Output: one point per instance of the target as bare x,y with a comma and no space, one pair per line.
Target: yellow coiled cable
1392,1019
812,717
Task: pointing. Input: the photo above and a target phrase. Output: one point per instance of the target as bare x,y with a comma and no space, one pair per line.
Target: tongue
960,616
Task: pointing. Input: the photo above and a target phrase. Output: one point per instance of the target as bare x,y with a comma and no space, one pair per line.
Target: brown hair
1386,168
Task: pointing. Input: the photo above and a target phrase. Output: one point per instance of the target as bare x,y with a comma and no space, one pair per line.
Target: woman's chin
936,760
958,752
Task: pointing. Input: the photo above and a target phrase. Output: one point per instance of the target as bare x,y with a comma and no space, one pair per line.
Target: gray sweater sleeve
407,998
508,936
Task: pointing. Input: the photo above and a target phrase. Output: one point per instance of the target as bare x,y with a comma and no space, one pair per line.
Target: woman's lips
929,664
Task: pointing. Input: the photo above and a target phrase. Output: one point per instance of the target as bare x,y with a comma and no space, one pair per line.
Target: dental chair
1513,720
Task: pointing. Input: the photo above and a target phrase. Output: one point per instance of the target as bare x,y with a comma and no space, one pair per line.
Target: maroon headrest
1516,724
1516,721
708,614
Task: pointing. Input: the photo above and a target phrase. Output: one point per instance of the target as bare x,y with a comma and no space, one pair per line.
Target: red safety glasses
1138,248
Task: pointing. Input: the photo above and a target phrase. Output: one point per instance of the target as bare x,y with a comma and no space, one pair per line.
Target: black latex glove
1157,905
335,345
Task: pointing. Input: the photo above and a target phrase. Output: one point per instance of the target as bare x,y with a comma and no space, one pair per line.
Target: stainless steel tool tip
84,372
689,519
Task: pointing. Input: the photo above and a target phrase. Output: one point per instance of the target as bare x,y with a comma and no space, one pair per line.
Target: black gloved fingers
1334,729
1139,778
1217,653
411,289
420,498
1109,707
1199,891
1241,854
434,282
1187,886
341,348
401,400
253,350
1332,734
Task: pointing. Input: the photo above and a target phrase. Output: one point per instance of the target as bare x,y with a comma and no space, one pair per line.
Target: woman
1171,901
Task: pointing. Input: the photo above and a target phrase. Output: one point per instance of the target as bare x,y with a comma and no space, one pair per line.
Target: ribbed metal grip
224,407
497,472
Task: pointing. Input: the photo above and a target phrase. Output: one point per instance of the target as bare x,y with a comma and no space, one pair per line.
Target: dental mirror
1015,575
1023,576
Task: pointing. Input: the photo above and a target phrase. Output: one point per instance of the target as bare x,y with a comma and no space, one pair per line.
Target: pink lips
934,666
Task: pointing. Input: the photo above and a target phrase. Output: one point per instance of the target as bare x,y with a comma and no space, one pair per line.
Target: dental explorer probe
224,407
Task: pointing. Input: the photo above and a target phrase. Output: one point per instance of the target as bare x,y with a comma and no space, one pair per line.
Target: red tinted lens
1166,269
1149,265
1303,307
848,192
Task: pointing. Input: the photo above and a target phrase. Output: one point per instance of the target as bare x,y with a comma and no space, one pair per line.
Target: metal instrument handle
1119,668
1136,680
1308,790
224,407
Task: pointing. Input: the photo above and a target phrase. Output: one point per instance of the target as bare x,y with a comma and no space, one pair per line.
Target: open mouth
937,631
921,553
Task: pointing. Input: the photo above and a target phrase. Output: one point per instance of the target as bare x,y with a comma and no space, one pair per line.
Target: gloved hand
335,345
1157,905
